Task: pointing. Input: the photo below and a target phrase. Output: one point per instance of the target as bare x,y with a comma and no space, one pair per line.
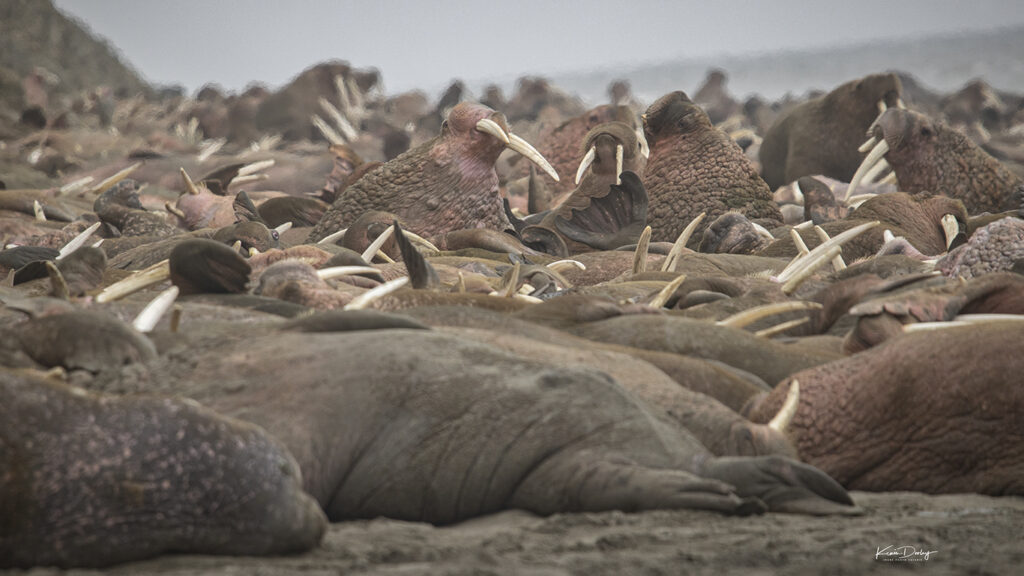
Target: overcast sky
425,44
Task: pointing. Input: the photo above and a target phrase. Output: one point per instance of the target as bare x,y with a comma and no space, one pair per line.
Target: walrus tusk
76,185
640,255
114,179
982,318
190,186
339,271
665,293
325,129
253,251
804,225
800,262
330,239
785,416
798,194
798,241
950,228
366,298
209,148
872,175
673,255
510,281
254,167
523,147
174,210
339,119
618,164
142,279
563,265
876,154
887,236
78,241
751,315
780,328
417,239
239,180
805,271
588,159
488,126
37,208
837,263
857,200
762,231
372,249
155,310
929,326
882,106
58,285
890,179
645,148
237,246
283,228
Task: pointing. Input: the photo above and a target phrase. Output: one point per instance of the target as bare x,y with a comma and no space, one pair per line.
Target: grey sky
425,44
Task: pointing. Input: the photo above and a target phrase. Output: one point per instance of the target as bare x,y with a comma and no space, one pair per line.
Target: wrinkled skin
821,136
97,480
447,183
694,168
993,248
929,156
937,412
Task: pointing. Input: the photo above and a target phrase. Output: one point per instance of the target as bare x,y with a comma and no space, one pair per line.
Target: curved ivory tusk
872,175
662,298
780,328
798,263
331,238
417,239
283,228
867,145
640,255
142,279
325,129
981,318
950,228
588,159
798,194
523,147
372,249
785,416
37,208
618,164
751,315
837,263
645,148
812,265
876,154
339,271
174,210
798,241
488,126
254,167
58,285
563,265
115,178
511,281
890,179
239,180
190,186
339,119
155,310
78,241
366,298
237,246
673,255
929,326
253,251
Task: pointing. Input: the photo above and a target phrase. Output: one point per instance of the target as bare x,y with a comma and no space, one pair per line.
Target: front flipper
783,484
608,221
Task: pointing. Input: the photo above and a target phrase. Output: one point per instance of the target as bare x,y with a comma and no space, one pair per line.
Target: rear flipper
784,485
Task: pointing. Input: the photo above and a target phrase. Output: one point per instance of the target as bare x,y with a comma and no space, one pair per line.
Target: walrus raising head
447,183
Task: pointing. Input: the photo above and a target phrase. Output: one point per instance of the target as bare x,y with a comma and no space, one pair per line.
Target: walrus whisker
339,271
190,186
328,132
665,293
37,209
331,238
640,255
138,281
751,315
58,285
837,263
374,247
155,310
78,241
669,265
876,154
366,298
114,179
588,159
780,328
784,418
950,228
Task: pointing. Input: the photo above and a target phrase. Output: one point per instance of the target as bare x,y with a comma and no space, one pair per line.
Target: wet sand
964,534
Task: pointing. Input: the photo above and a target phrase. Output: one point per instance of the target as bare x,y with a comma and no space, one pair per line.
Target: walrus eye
275,235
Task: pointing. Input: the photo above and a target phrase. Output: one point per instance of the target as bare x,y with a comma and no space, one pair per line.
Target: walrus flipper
613,220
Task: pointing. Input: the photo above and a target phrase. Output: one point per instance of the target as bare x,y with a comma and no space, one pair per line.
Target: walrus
92,480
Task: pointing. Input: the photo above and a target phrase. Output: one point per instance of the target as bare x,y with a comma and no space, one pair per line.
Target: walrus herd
219,333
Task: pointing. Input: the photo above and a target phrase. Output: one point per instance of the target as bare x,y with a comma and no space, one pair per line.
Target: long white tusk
780,328
856,200
417,239
339,271
645,148
190,186
37,208
239,180
887,236
673,255
618,164
751,315
372,249
950,228
798,241
366,298
76,185
325,129
929,326
870,160
155,310
798,194
339,119
784,418
488,126
838,240
523,147
662,298
837,263
254,167
872,175
867,145
808,268
890,179
142,279
805,225
563,265
585,163
283,228
640,255
983,318
762,231
78,241
115,178
174,210
331,238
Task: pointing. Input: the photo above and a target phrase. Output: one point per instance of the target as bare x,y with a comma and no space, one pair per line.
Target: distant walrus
91,481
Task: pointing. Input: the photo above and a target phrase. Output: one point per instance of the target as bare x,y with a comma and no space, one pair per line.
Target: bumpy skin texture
994,248
936,412
696,168
929,156
95,480
821,136
447,183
